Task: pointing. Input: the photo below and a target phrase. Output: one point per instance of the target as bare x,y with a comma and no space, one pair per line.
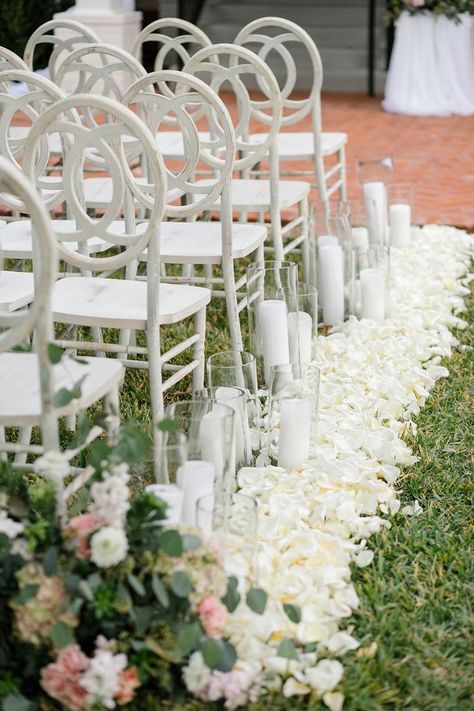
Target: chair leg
200,329
231,303
112,408
304,213
24,438
342,163
322,187
3,455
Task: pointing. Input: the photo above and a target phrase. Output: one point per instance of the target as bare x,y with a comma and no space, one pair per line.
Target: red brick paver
435,155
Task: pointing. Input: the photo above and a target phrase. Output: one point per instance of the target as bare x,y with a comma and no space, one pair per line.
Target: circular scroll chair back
102,69
111,145
229,69
16,327
175,40
177,96
10,60
64,35
18,113
293,56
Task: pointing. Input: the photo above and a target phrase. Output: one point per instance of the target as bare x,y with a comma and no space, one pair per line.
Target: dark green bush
20,18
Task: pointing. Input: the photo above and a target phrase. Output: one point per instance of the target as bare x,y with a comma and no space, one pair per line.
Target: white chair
277,39
229,67
16,237
28,381
114,303
65,36
10,60
176,41
184,240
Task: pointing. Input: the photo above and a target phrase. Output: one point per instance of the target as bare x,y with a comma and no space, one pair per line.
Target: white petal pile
315,521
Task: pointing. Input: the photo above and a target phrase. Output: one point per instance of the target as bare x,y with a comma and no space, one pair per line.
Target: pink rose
61,680
212,614
128,682
81,527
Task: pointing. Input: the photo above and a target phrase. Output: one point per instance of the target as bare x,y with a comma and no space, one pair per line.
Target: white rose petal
334,700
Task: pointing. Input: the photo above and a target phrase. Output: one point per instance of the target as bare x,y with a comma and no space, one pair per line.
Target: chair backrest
10,60
64,35
187,99
16,326
102,69
175,38
276,41
18,113
229,68
112,146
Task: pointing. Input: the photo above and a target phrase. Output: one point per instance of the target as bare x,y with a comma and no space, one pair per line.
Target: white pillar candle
295,433
372,282
212,443
273,323
300,331
376,211
227,396
204,516
173,496
400,221
327,239
331,283
196,479
358,298
360,238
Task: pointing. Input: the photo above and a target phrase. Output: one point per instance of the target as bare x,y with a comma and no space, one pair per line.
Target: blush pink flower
61,680
81,527
212,614
128,682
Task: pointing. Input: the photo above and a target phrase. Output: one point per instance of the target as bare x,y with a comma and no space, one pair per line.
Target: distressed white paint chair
185,239
278,40
28,381
16,238
176,41
102,302
65,36
227,67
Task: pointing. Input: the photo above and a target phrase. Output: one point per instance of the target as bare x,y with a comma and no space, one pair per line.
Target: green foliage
257,600
20,18
450,8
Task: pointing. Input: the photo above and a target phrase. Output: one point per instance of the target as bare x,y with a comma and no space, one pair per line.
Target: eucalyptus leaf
50,561
27,593
180,584
190,541
189,637
61,634
257,600
293,612
63,397
159,591
232,598
55,353
136,584
218,654
16,703
287,649
171,543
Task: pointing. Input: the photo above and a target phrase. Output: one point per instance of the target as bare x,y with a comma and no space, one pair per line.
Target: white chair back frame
227,64
107,143
96,78
79,34
294,110
10,60
216,154
155,32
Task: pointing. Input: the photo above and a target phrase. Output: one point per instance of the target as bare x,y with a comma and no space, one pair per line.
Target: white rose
197,674
292,687
325,675
53,465
108,546
9,527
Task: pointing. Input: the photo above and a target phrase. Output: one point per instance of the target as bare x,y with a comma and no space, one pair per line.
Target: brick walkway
435,155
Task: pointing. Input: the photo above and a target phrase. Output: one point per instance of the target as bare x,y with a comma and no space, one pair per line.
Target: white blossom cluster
314,522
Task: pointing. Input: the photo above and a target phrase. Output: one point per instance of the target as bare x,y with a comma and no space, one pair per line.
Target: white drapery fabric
432,67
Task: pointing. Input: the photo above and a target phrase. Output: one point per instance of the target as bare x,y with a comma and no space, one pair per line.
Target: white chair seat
15,238
201,242
255,194
20,385
121,303
21,132
294,145
17,290
171,144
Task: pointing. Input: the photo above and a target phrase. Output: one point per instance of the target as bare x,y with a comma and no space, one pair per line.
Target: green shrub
20,18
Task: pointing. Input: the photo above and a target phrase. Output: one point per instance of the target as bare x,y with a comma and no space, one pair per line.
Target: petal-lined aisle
315,522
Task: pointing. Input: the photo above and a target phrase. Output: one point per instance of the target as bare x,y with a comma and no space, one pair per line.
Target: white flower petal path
316,521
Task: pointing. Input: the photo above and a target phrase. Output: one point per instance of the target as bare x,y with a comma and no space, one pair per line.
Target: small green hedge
20,18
